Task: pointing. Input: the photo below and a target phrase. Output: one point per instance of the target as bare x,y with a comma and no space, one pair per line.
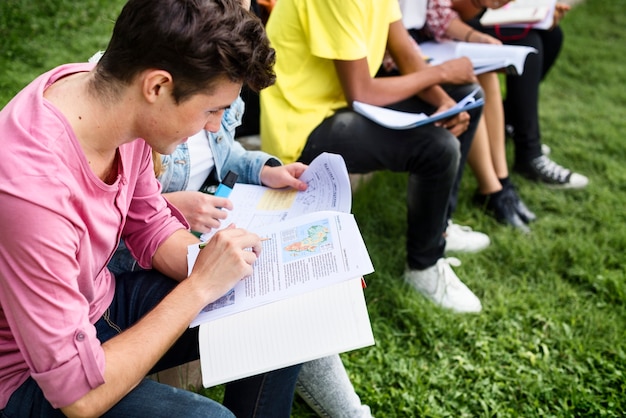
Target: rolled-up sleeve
84,371
150,220
49,297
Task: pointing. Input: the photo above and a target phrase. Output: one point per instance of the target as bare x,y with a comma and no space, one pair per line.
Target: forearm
171,257
387,90
460,30
418,78
131,354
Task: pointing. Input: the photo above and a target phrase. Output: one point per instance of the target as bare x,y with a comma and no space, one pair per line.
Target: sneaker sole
568,186
554,186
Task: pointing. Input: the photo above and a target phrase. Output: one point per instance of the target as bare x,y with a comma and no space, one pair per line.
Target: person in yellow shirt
328,53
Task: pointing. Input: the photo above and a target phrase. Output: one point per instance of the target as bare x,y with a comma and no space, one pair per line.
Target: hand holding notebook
396,119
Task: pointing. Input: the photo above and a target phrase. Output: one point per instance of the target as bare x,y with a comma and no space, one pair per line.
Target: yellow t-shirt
308,35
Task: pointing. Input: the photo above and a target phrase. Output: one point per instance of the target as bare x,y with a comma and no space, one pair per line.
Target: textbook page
299,255
484,57
328,189
316,324
396,119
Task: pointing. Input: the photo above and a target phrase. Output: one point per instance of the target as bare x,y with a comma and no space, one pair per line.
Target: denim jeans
433,157
267,395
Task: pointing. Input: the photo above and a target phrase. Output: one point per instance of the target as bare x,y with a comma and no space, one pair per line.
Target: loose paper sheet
257,206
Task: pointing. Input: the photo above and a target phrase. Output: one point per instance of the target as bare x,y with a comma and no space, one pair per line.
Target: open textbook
396,119
300,254
484,57
305,297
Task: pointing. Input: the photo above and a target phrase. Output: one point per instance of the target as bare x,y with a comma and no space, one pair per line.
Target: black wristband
273,162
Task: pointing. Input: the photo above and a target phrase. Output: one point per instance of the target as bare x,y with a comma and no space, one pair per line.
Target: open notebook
484,57
521,13
395,119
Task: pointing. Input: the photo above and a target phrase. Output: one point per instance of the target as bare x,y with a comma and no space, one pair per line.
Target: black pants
521,105
432,156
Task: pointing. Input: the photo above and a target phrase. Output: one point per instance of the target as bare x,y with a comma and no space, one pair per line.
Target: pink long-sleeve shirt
60,225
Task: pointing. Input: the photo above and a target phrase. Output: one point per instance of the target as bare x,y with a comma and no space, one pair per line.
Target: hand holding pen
225,259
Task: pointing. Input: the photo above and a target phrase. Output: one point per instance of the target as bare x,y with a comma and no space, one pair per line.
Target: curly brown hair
196,41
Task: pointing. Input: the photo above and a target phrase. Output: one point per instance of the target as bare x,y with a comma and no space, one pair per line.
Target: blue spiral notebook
396,119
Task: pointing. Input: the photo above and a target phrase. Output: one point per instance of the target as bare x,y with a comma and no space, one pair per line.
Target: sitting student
77,176
521,105
435,20
307,112
201,163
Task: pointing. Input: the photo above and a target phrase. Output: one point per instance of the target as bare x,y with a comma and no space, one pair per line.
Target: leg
522,92
481,163
268,395
487,159
465,139
522,107
481,158
458,238
317,376
493,113
552,41
430,155
28,401
265,395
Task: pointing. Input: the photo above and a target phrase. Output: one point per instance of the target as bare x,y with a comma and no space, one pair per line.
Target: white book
484,57
521,13
316,324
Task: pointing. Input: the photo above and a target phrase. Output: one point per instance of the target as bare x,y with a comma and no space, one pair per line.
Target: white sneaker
463,239
441,285
544,170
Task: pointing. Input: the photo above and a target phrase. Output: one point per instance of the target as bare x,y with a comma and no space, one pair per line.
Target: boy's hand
284,176
201,210
227,258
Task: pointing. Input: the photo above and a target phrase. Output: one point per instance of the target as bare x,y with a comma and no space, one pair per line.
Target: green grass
551,341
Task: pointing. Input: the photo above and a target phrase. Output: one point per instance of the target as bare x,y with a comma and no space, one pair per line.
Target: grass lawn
551,341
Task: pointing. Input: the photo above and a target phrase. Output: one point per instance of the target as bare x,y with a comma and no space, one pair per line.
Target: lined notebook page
327,321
